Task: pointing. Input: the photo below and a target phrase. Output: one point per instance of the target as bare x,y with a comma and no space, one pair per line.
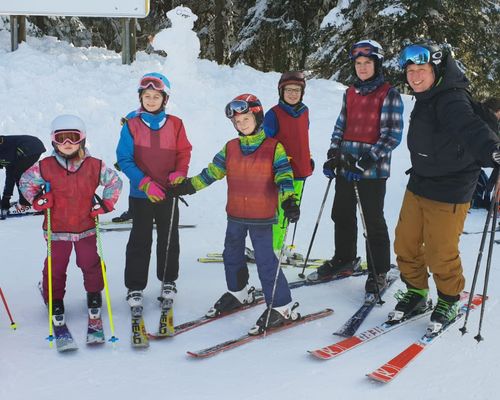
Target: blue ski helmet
155,80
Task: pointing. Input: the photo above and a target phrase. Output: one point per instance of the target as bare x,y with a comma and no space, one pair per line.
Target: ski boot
168,293
372,282
279,316
444,314
410,303
333,267
58,313
94,304
125,216
232,300
134,300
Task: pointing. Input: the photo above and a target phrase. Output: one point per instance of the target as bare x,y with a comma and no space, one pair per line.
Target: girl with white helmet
73,176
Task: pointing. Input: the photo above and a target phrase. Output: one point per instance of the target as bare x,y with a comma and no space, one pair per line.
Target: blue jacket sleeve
271,126
125,157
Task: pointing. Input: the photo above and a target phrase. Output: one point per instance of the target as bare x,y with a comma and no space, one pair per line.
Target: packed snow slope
45,78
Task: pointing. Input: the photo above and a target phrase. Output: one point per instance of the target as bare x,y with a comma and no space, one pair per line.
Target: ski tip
376,377
13,326
193,354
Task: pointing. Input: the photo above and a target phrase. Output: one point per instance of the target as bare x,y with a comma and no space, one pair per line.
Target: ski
64,339
24,214
125,228
353,323
341,347
187,326
231,344
219,260
166,325
259,299
139,336
390,370
95,330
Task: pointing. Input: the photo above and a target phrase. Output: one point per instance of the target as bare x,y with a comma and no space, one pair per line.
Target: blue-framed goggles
416,54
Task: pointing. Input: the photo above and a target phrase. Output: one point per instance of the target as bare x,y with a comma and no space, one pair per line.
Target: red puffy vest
155,151
293,134
251,190
73,194
363,114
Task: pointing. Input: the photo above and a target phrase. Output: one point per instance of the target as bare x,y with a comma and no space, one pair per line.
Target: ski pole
170,228
463,329
301,275
49,266
479,337
368,247
12,323
113,338
278,269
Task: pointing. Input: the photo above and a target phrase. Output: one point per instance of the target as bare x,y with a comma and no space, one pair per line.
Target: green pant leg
279,228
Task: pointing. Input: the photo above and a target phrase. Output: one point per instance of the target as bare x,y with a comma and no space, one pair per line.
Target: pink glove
43,202
176,177
97,209
154,191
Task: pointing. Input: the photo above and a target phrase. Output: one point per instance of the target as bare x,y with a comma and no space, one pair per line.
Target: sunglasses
152,82
417,55
240,107
73,137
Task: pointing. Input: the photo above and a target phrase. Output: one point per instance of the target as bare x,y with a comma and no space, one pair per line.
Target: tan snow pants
427,236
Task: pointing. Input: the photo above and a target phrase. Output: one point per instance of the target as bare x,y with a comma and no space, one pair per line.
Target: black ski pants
141,238
372,194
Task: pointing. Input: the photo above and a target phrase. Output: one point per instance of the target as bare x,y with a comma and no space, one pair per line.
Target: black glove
290,209
356,168
313,164
332,163
5,204
186,187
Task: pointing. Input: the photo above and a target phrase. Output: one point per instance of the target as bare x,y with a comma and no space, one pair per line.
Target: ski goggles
62,137
151,82
365,50
417,55
241,107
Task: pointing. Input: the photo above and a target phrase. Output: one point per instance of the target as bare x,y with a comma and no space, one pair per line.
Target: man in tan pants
448,144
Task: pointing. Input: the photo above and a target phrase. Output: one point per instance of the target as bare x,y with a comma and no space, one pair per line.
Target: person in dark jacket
448,145
17,154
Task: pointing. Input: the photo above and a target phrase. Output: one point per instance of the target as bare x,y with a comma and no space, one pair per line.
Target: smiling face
152,100
67,148
365,68
420,77
292,94
244,123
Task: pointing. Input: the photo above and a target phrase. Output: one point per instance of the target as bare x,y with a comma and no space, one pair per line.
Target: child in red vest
256,168
73,176
153,152
288,122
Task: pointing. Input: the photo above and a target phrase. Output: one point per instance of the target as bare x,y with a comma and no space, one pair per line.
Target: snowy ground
45,78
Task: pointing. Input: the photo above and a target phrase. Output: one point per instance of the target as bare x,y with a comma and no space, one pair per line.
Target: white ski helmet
367,48
68,122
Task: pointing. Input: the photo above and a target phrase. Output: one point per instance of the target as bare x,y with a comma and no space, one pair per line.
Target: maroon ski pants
87,260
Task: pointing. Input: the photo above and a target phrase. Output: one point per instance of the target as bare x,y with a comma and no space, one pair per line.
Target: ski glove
154,191
313,164
332,162
291,209
176,177
355,168
44,201
185,187
98,209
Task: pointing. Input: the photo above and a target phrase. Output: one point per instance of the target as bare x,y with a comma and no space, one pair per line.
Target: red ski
390,370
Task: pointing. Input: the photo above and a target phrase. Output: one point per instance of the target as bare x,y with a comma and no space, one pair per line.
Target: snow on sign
87,8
